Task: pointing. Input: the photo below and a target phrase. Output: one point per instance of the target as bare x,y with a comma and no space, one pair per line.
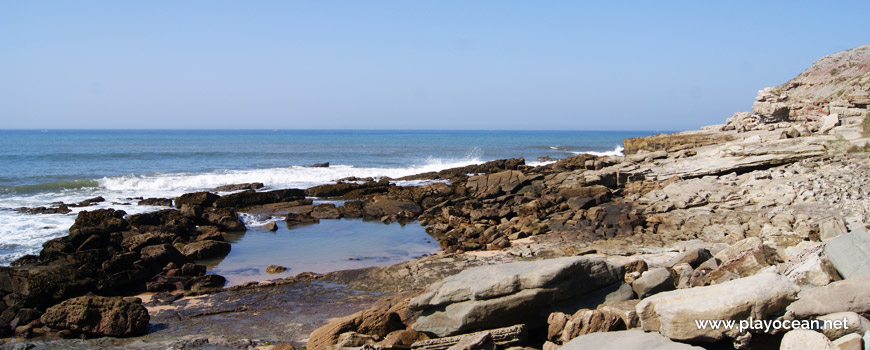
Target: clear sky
646,65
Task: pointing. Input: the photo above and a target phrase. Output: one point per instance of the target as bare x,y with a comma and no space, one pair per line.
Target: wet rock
158,202
499,295
224,218
205,249
624,340
756,296
652,282
850,254
201,199
850,295
271,226
275,269
209,281
381,206
239,187
60,209
319,165
325,211
250,198
89,202
163,254
98,316
294,219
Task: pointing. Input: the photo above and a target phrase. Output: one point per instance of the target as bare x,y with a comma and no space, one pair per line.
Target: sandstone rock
625,309
849,342
850,254
499,295
625,340
673,313
502,337
854,324
353,340
672,142
98,316
381,206
325,211
802,339
402,338
205,249
693,257
271,226
476,341
501,182
652,282
585,321
847,295
830,228
811,266
742,259
373,322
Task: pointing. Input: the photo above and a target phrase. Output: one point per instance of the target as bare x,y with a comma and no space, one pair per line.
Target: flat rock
625,340
847,295
673,313
850,254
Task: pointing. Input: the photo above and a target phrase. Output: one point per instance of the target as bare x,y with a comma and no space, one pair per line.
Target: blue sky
405,64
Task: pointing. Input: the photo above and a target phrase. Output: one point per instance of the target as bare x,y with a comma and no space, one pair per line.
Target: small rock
271,226
275,269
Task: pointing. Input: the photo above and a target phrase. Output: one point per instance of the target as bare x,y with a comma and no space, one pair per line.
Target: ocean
45,167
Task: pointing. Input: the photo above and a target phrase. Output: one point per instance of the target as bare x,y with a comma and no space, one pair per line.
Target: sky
490,65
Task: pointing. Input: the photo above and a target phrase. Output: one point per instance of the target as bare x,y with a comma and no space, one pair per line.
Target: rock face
501,295
673,314
850,254
847,295
625,340
98,316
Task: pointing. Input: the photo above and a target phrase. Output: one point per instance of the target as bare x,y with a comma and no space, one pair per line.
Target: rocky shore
763,218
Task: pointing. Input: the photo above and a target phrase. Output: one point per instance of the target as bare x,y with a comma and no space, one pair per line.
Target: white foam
533,164
615,152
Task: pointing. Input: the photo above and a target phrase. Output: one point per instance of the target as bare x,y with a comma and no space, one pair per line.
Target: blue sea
44,167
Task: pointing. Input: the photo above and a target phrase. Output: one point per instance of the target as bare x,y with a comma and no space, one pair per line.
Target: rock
742,259
626,309
377,322
402,338
275,269
205,249
325,211
792,133
829,122
201,199
98,316
158,202
209,281
60,209
854,324
831,228
96,222
850,254
475,341
239,187
500,295
271,226
294,219
584,321
652,282
673,313
672,142
500,182
802,339
502,337
811,266
163,254
625,340
225,219
319,165
353,340
693,257
849,342
847,295
347,189
249,198
381,206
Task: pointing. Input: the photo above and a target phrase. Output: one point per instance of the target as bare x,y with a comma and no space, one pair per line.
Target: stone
854,324
652,282
205,249
850,254
325,211
499,295
201,199
586,321
163,254
98,316
502,182
376,322
402,338
159,202
803,339
239,187
829,122
849,342
831,228
626,309
271,226
673,313
275,269
381,206
847,295
502,337
625,340
810,266
353,340
743,258
249,198
294,219
475,341
693,257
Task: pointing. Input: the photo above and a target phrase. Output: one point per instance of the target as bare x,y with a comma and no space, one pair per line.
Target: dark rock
135,242
158,202
205,249
98,316
319,165
191,269
224,218
352,209
239,187
26,260
294,219
346,188
383,206
325,211
207,282
163,254
99,222
60,209
251,198
202,199
89,202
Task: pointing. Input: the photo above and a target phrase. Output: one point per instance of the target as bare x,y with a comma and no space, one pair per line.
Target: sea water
45,167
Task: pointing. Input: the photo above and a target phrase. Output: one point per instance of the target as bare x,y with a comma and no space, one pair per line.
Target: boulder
803,339
625,309
501,182
674,314
163,254
158,202
500,295
847,295
850,254
811,266
225,219
831,228
381,206
849,342
294,219
205,249
854,324
275,269
625,340
584,321
271,226
377,322
652,282
325,211
742,259
202,199
693,257
829,122
503,338
98,316
96,222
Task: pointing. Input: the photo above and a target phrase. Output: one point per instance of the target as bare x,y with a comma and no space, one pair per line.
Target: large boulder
850,254
96,222
98,316
501,295
562,328
841,296
205,249
674,314
625,340
163,254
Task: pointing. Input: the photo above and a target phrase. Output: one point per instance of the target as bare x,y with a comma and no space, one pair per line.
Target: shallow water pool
331,245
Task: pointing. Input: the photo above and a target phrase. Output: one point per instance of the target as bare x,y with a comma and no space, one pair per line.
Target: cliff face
838,84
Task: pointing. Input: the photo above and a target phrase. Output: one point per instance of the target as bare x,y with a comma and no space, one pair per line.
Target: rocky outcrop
500,295
98,316
673,314
672,142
